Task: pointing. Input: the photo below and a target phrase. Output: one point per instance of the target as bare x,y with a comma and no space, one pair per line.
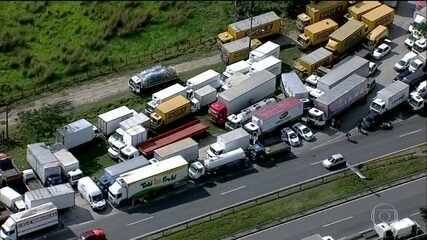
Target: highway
354,216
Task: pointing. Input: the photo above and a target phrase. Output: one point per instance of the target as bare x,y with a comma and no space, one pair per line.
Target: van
91,192
404,62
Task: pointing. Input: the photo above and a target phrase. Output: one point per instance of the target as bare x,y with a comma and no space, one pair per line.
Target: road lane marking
414,214
337,221
233,190
326,143
140,221
410,133
315,163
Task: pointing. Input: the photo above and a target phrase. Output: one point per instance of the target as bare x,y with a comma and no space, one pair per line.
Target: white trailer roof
137,119
343,70
42,152
135,130
265,18
9,192
231,135
205,90
266,47
167,92
75,126
65,157
48,192
341,89
292,79
200,78
265,63
316,56
153,169
115,113
33,211
175,147
238,67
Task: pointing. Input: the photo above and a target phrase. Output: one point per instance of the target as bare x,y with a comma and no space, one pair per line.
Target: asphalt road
355,216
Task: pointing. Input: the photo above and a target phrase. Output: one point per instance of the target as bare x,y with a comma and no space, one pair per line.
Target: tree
423,28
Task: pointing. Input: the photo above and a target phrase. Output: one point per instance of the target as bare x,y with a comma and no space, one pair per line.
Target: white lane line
140,221
326,143
410,133
315,163
233,190
338,221
414,214
83,223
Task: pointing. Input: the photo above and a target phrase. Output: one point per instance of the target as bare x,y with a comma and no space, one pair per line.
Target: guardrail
283,192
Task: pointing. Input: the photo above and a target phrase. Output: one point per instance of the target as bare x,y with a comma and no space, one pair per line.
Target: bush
95,44
164,5
178,18
26,19
9,41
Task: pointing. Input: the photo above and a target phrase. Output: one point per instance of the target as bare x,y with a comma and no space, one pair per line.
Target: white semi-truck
164,95
12,199
70,166
418,97
108,122
209,77
237,120
122,138
237,138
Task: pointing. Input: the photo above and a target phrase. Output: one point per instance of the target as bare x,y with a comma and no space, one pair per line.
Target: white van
91,192
404,62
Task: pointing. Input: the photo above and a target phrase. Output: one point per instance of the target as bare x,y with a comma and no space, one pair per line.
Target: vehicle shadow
76,215
397,31
405,9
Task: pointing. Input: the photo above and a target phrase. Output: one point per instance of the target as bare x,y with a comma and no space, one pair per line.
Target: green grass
295,203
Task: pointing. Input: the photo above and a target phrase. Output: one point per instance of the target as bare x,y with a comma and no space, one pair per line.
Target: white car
409,42
404,62
372,68
288,135
420,45
333,161
381,51
303,131
415,64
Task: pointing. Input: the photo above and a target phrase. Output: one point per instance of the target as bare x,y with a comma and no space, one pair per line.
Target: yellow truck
315,12
238,50
382,15
262,26
316,33
170,111
309,63
346,37
375,36
357,10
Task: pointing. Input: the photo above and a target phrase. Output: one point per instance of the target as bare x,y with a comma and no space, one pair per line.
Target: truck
235,159
399,229
268,118
164,95
112,172
259,153
12,199
189,129
271,64
265,50
375,37
292,86
30,180
346,37
420,17
237,50
202,97
137,119
75,133
154,176
187,148
390,97
418,97
108,122
70,166
309,63
319,10
44,163
61,195
382,15
263,25
236,79
316,33
209,77
122,138
170,111
338,99
241,66
31,220
357,10
237,138
237,120
155,76
260,85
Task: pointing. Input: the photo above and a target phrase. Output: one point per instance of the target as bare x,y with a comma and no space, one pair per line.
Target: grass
295,203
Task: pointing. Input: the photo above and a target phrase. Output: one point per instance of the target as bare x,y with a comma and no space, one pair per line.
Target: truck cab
116,143
8,230
303,20
218,113
316,117
215,149
378,105
196,170
128,152
416,101
303,41
233,121
74,176
116,193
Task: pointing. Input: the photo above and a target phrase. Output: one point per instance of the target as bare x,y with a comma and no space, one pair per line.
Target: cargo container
237,138
187,148
265,50
390,97
357,10
159,174
237,120
61,195
203,97
271,64
345,37
10,177
238,50
189,129
237,67
354,64
108,122
170,111
70,166
292,86
307,64
44,163
137,119
234,80
111,173
164,95
270,117
319,10
11,199
149,78
209,77
316,33
263,25
375,37
260,85
382,15
75,133
22,223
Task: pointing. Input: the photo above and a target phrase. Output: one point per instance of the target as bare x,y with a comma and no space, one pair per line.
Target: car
334,160
372,68
288,135
303,131
420,45
402,74
381,51
404,62
94,234
415,64
409,42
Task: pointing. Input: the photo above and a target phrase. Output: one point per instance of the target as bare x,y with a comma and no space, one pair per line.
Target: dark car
93,234
415,78
403,74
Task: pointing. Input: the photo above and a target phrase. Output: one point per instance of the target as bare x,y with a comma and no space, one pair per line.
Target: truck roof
324,5
115,113
137,119
203,77
154,169
245,25
42,152
362,7
75,126
167,92
10,193
321,25
292,79
205,90
65,157
341,89
172,104
377,13
126,166
346,30
276,108
265,63
231,135
33,211
236,45
316,56
48,192
393,88
266,47
343,70
176,146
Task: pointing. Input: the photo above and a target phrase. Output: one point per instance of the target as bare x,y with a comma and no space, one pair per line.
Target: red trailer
189,129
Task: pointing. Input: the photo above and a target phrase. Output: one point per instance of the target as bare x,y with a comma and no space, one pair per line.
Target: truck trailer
44,163
319,10
70,166
316,33
292,86
61,195
357,10
125,138
307,64
152,77
170,111
187,148
164,95
237,120
271,64
108,122
75,133
202,97
137,119
237,138
265,50
209,77
237,67
345,37
12,199
238,50
382,15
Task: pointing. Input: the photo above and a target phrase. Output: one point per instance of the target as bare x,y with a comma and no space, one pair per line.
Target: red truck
9,174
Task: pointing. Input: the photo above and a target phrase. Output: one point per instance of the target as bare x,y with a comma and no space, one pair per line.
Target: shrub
164,5
9,41
95,44
26,19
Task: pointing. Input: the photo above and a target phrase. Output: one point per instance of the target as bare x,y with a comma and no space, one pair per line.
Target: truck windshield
215,152
76,177
375,106
117,136
97,197
133,84
194,169
8,233
302,40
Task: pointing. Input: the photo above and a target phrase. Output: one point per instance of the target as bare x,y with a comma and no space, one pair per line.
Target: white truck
237,67
164,95
265,50
418,97
237,138
274,115
91,193
108,122
292,86
61,195
137,119
70,166
234,158
234,80
156,175
237,120
202,97
400,229
419,19
271,64
11,199
22,223
75,133
209,77
122,138
44,163
187,148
